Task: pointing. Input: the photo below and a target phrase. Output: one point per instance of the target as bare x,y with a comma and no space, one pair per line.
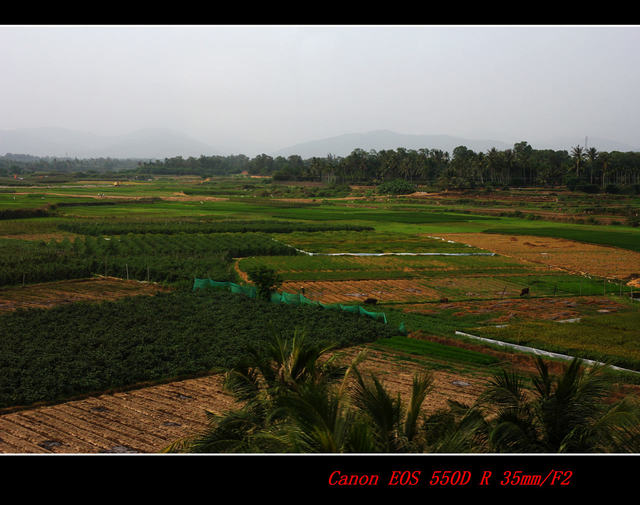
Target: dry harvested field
182,197
147,420
562,254
357,291
50,294
532,309
143,420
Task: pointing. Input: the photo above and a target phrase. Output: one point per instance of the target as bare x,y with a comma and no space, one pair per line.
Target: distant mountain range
158,143
378,140
59,142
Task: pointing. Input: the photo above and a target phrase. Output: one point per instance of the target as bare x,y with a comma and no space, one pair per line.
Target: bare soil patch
358,291
50,294
557,253
145,420
532,309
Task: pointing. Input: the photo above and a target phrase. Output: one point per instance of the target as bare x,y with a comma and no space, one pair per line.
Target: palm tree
392,425
259,382
578,155
592,154
292,401
567,413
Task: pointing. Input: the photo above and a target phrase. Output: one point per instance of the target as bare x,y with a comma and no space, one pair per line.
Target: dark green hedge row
49,355
25,213
173,227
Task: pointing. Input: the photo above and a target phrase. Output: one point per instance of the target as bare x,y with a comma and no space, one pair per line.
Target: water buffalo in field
370,301
524,292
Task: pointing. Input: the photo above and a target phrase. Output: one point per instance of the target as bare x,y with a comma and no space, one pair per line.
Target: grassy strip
608,338
435,351
371,242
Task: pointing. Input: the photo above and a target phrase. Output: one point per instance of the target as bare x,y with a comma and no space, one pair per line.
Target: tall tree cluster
580,168
462,168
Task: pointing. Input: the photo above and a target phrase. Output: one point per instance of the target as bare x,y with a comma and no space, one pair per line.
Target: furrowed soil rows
568,255
143,420
50,294
359,291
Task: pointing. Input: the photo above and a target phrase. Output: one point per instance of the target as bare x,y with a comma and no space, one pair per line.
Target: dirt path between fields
236,265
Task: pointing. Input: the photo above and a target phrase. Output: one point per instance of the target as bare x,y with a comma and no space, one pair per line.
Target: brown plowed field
148,420
567,255
532,309
358,291
143,420
50,294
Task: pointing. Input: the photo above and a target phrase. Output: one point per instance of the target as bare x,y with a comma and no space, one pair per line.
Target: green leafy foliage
123,227
154,257
54,354
396,187
265,279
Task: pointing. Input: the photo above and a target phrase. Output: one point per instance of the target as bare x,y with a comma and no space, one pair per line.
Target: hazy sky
267,87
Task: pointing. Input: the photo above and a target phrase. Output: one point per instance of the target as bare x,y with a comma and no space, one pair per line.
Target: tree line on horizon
583,169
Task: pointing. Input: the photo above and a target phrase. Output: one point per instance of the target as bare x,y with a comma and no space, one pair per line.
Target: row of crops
122,227
153,257
331,242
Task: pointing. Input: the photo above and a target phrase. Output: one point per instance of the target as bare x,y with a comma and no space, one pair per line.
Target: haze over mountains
159,143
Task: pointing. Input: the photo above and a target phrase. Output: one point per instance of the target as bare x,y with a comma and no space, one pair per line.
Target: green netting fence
288,298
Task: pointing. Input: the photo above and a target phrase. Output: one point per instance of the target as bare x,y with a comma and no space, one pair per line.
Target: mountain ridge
161,143
147,143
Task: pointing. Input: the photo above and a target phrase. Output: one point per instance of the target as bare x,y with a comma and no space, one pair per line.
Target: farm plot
532,309
203,226
383,290
370,242
51,294
611,338
74,349
386,267
152,257
148,419
559,253
405,279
